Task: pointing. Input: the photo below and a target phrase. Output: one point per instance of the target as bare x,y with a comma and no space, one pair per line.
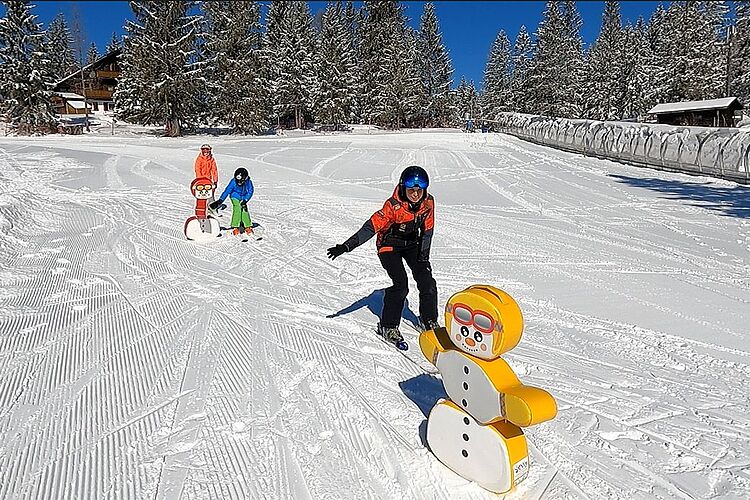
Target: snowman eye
464,331
477,336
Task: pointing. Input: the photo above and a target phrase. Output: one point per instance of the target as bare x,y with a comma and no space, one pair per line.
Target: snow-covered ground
136,364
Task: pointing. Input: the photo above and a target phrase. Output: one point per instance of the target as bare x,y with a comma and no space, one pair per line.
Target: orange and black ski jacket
399,225
206,167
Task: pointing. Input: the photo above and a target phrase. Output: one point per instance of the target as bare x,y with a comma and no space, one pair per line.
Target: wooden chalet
708,113
95,83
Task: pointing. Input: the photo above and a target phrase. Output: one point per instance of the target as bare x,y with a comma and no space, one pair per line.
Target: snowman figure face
483,321
202,188
473,330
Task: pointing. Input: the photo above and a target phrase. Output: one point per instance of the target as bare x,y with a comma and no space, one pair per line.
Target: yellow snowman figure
477,432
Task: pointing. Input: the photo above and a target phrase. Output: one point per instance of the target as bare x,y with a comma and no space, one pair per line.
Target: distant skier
205,165
404,233
240,189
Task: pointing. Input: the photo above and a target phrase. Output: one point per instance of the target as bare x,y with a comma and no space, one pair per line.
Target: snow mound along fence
718,152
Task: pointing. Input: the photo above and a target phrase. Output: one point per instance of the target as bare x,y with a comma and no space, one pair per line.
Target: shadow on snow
733,201
374,302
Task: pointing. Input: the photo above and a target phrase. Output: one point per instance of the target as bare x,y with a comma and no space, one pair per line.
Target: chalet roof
95,64
676,107
70,96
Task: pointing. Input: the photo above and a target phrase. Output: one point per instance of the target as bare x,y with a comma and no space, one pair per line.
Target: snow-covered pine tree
496,84
60,53
604,99
292,51
637,71
92,54
25,75
573,85
521,55
689,50
236,81
547,76
353,19
712,62
114,43
392,89
466,101
338,74
739,61
158,80
436,71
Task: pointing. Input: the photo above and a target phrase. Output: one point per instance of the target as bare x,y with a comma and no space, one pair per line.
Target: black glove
243,205
214,205
334,252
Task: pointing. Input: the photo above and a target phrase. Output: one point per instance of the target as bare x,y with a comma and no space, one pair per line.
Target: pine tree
547,76
496,87
573,83
521,56
436,71
25,75
637,71
292,52
236,80
392,90
739,62
157,84
466,101
114,43
93,54
606,83
58,41
338,82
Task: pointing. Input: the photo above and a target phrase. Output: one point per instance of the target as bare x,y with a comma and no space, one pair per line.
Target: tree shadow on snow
733,201
374,302
425,391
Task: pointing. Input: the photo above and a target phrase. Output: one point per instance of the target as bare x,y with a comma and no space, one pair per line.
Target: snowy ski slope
136,364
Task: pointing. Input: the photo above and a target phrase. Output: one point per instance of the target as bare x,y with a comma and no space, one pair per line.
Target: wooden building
96,82
708,113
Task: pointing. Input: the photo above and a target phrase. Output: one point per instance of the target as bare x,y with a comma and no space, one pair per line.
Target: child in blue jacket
240,190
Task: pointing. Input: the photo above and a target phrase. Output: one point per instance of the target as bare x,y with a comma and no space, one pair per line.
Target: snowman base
201,229
495,456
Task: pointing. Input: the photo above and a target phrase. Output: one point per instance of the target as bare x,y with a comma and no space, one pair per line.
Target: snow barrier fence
717,152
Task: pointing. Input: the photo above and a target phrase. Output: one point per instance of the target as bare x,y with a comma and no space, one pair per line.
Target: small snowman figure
201,225
477,432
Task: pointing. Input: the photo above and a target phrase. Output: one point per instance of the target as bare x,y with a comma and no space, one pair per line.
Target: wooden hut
708,113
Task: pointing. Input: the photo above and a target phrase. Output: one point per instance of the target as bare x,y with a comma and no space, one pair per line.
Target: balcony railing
98,94
107,74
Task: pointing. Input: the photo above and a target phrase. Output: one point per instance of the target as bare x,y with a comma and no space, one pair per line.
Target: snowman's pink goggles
482,321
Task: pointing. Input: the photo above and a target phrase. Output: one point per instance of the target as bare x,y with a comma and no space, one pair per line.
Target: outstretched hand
334,252
214,205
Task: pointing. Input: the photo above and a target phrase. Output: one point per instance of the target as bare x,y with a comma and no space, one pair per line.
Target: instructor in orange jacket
404,234
205,165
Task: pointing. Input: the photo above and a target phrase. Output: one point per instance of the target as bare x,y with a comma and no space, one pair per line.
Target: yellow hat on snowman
483,321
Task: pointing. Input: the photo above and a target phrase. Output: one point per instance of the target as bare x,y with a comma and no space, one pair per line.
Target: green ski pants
240,215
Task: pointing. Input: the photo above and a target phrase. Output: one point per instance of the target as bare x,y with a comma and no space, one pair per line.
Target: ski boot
393,336
430,324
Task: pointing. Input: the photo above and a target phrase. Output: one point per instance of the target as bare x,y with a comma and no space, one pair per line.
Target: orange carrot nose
470,342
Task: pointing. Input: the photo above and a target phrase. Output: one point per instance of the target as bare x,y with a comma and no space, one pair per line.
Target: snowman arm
524,405
433,343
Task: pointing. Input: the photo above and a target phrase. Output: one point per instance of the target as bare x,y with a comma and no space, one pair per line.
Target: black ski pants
395,295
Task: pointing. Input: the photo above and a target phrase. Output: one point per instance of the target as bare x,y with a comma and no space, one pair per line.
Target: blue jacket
242,193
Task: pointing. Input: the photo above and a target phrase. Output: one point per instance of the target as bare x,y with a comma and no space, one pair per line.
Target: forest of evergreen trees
188,64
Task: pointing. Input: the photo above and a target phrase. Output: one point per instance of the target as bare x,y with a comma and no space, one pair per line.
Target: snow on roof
673,107
70,96
76,104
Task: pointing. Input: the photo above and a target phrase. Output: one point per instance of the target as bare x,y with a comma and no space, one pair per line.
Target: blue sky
468,28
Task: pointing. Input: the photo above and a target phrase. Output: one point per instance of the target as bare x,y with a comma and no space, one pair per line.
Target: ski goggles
201,187
206,149
482,321
415,182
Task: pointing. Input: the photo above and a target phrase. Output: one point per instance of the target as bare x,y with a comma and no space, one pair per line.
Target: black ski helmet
413,176
241,175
